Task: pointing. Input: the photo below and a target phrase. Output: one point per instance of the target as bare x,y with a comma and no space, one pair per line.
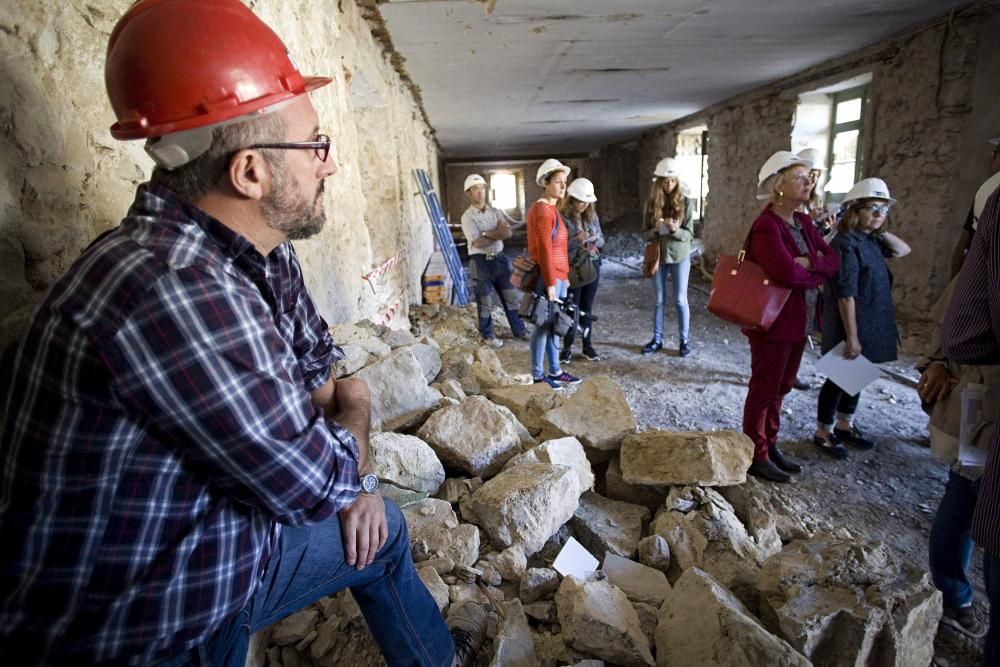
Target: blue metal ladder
460,293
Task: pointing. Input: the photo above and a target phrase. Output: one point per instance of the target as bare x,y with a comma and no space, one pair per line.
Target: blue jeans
678,274
491,275
950,544
309,564
544,343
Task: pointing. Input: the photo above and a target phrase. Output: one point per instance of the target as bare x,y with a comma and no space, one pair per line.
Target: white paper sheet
972,420
851,375
574,559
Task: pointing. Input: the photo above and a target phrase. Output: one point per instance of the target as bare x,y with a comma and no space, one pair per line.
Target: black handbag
537,309
581,269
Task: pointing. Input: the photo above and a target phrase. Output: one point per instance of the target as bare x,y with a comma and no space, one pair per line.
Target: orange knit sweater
550,253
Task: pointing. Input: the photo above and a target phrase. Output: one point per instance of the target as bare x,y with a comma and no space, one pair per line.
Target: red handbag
743,294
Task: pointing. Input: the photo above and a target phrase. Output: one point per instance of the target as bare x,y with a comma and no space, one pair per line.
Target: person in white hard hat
548,246
815,208
485,228
585,242
667,218
180,466
789,249
969,228
857,307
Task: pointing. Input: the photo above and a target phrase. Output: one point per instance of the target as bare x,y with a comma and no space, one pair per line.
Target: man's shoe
779,459
591,354
467,625
495,343
522,335
684,350
652,346
830,446
964,620
769,471
565,357
854,438
801,384
564,378
552,383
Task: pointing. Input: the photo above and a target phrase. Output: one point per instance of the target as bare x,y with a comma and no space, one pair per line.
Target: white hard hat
813,156
474,179
666,167
547,168
582,189
982,195
995,142
779,162
869,188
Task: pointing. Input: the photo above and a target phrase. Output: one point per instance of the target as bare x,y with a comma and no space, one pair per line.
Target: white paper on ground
851,375
972,418
574,559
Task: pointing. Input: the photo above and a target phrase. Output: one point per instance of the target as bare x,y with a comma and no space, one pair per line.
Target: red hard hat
176,65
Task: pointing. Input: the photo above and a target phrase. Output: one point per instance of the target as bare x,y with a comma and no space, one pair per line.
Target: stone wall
64,180
933,108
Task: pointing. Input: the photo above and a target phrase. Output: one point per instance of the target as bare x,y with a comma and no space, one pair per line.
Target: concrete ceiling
516,78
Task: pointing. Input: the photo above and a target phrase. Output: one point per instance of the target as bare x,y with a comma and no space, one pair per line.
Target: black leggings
833,399
584,298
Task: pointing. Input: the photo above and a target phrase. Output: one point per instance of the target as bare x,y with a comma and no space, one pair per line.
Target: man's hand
935,383
364,529
804,262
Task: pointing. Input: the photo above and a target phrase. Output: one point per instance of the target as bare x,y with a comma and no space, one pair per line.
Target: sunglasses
321,145
875,209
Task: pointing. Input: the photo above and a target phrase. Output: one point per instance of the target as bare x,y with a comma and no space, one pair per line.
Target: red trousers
773,366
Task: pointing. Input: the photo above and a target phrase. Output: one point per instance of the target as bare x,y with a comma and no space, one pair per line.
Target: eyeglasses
321,145
875,209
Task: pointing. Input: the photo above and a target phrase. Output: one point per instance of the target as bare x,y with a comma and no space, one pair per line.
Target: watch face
369,483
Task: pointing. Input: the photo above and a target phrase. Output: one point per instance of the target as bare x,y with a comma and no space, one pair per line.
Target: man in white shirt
485,229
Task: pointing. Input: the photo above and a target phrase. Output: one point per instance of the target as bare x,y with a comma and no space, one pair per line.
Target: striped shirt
475,223
159,430
970,334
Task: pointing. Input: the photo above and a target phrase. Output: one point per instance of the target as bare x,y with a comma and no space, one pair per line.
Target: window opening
503,191
845,154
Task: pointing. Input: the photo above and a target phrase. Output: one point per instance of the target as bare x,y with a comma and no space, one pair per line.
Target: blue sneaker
564,378
549,381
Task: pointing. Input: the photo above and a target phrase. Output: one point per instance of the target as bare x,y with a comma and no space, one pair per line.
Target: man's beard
287,212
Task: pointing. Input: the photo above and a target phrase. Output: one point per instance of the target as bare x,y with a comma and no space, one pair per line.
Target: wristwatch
369,484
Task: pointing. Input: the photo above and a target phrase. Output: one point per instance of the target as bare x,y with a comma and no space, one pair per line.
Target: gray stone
649,617
361,334
355,358
537,583
703,458
770,517
655,552
511,563
434,524
294,628
638,582
701,623
526,504
513,645
603,525
542,611
406,461
598,619
563,451
400,395
451,388
435,586
455,488
429,358
398,338
476,437
528,403
598,415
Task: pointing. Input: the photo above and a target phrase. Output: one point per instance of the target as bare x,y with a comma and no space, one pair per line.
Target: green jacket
676,247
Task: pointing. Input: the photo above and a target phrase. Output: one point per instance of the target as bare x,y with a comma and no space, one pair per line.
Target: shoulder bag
524,270
581,269
743,294
651,258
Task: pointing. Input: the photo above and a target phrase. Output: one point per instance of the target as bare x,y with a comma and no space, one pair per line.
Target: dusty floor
890,494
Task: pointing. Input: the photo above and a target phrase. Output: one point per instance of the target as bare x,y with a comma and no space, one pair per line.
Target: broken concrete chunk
537,583
650,496
564,451
294,628
654,552
406,461
770,517
355,358
362,334
526,504
476,437
638,582
435,586
434,525
542,611
513,645
511,563
598,619
451,388
398,338
429,358
455,488
604,526
528,403
703,458
598,415
400,396
702,623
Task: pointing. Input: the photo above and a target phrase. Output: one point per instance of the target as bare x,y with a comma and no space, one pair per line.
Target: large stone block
513,646
563,451
526,504
476,436
400,395
604,526
528,403
650,496
703,458
598,415
406,461
638,582
701,623
598,619
434,524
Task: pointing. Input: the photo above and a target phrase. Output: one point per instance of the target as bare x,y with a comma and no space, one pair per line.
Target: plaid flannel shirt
159,430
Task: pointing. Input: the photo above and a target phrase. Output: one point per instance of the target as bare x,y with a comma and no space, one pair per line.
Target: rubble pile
697,564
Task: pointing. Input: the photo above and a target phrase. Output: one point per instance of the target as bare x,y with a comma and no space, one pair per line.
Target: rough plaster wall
617,189
63,179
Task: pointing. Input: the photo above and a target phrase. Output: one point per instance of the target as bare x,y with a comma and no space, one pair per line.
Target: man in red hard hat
180,467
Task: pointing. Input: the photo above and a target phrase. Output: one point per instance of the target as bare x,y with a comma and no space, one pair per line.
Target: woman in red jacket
786,245
548,238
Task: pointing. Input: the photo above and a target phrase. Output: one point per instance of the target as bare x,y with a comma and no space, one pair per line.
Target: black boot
782,461
769,471
652,346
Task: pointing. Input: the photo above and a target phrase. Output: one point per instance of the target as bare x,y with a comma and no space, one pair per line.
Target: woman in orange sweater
547,245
